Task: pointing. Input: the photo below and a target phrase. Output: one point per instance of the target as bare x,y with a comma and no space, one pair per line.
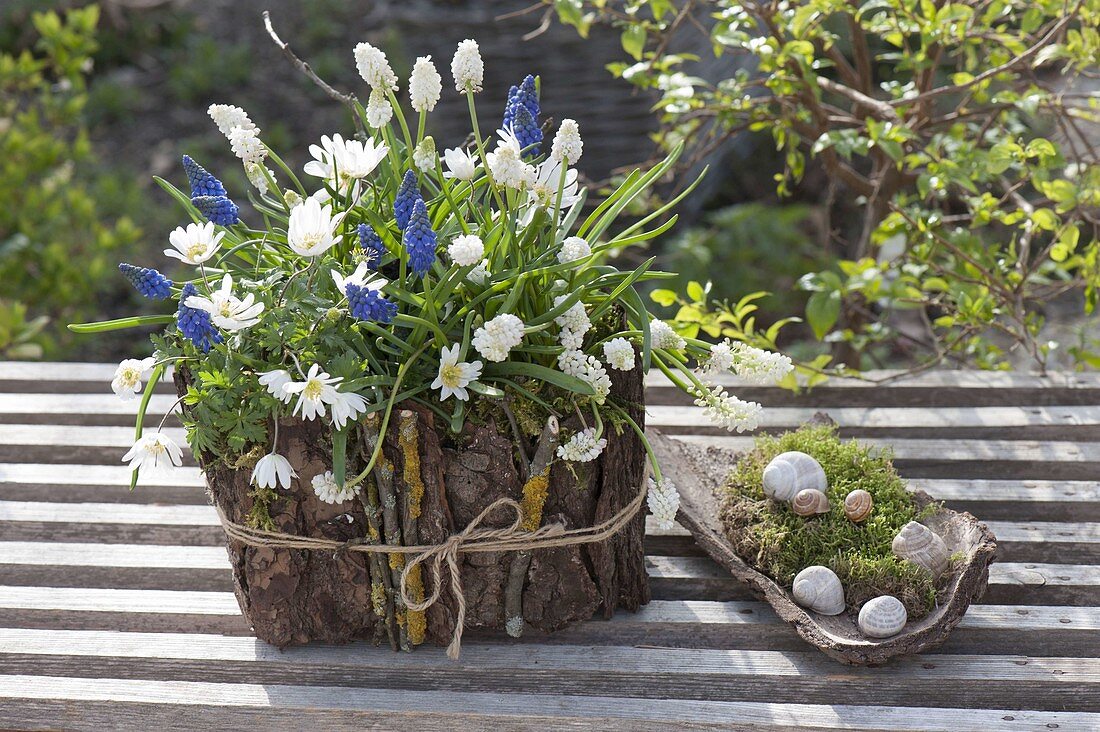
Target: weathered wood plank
399,707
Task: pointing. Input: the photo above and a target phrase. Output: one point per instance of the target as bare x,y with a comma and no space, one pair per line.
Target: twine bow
472,539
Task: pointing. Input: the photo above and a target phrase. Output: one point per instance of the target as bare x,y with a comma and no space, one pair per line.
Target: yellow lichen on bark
534,498
397,561
378,599
417,623
410,450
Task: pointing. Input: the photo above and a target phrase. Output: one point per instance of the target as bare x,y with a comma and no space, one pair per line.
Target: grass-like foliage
778,542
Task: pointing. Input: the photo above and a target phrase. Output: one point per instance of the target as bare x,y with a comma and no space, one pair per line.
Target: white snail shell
790,472
809,502
919,544
819,589
882,617
857,505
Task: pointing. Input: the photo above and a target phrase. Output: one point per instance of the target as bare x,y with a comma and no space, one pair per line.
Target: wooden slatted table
117,612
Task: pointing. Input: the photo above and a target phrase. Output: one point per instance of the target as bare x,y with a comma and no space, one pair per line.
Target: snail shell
819,589
857,505
809,502
882,617
919,544
790,472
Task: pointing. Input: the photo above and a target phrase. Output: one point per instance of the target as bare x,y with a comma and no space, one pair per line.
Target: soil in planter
428,485
771,537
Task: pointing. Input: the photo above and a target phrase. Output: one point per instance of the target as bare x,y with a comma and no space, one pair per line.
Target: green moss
778,542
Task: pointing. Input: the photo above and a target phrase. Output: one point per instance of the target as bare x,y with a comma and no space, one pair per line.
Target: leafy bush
959,127
56,250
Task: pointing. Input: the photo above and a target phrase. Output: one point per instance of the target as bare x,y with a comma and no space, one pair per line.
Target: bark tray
697,474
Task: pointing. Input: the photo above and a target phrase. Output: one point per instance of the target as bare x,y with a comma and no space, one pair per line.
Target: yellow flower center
451,375
130,376
309,241
196,250
225,310
313,389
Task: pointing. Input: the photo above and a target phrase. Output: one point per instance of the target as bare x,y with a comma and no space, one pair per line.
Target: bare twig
348,100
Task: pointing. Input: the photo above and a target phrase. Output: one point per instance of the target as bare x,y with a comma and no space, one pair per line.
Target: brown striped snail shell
818,588
809,502
882,617
920,545
790,472
857,505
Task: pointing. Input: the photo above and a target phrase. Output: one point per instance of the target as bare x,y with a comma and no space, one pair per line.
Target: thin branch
348,100
882,109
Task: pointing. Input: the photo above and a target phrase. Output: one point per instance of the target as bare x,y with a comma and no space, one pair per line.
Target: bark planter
428,486
837,636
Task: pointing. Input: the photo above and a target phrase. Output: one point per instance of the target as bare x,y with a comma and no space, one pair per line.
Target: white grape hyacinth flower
194,244
347,407
454,375
758,366
274,381
226,310
574,324
664,501
582,447
466,250
574,248
379,110
314,393
425,157
374,67
467,68
619,354
227,116
425,85
312,229
589,370
273,470
127,381
155,452
567,145
720,359
727,411
498,336
328,490
339,161
247,146
664,337
258,175
461,164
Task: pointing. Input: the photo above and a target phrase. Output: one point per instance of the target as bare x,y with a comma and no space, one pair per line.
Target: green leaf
822,311
633,40
132,322
695,291
339,455
663,297
550,376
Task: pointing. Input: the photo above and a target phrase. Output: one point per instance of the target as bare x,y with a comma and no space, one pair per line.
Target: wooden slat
403,708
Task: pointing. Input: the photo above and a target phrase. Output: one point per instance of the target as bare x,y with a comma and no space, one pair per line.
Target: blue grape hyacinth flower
218,209
202,183
149,282
420,240
366,303
372,245
527,131
407,195
195,324
521,115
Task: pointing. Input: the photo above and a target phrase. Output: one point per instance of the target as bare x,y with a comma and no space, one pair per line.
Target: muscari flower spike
521,114
202,183
149,282
407,196
372,245
369,304
195,324
419,239
218,209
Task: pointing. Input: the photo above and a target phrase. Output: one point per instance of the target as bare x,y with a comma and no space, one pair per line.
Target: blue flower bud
148,282
407,195
202,183
420,240
218,209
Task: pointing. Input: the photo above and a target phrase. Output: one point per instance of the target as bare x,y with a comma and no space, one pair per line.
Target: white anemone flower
341,161
226,310
311,231
460,164
506,163
314,393
348,405
273,470
454,376
195,244
544,188
467,68
154,452
274,381
128,376
361,277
